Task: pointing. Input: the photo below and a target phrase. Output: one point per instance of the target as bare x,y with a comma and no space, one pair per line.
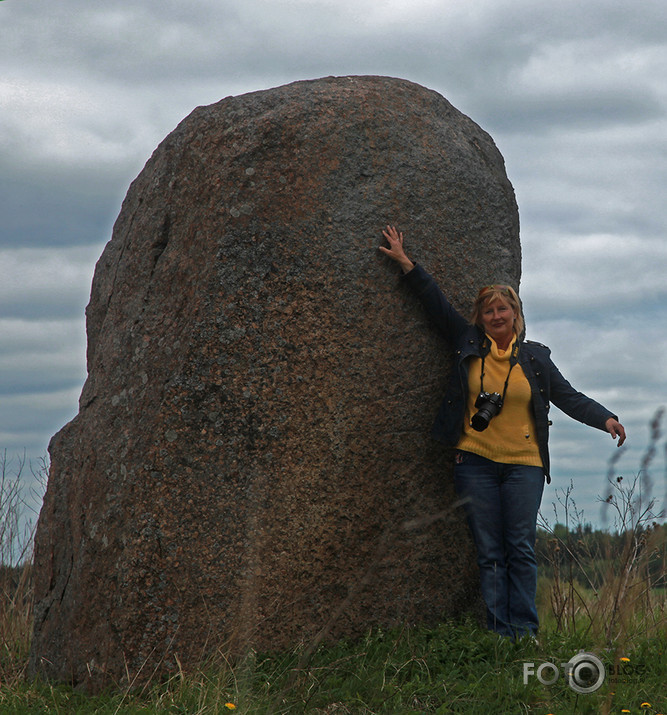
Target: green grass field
453,668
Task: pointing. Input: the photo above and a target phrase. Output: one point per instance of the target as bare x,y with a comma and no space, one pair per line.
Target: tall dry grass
17,522
611,588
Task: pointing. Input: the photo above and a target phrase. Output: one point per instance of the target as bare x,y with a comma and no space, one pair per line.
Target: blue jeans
502,501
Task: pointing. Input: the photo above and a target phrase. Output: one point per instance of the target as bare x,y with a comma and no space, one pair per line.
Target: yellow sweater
510,437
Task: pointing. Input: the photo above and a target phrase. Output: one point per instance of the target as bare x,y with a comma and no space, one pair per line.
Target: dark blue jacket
547,385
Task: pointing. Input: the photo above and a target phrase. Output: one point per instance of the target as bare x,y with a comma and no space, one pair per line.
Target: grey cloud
150,42
42,206
44,284
583,275
41,356
35,376
572,107
27,421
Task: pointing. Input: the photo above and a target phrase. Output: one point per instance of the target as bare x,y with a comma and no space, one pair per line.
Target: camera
488,406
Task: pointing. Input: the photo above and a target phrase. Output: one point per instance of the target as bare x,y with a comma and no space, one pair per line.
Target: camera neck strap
514,359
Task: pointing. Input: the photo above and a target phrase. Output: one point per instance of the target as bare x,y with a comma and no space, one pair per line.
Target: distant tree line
588,556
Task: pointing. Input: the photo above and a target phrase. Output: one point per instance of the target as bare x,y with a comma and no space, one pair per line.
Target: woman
495,414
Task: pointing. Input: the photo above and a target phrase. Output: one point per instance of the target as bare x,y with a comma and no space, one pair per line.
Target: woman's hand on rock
395,250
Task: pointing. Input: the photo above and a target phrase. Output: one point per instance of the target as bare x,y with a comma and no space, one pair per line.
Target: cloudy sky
574,95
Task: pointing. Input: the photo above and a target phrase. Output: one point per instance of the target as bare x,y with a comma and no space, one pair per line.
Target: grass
455,667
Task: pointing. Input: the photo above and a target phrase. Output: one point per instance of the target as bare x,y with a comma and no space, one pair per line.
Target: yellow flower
645,705
230,706
625,711
625,660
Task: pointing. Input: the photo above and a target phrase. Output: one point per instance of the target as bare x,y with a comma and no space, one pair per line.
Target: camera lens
480,421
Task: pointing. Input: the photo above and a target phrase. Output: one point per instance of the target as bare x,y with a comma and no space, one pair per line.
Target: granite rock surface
251,463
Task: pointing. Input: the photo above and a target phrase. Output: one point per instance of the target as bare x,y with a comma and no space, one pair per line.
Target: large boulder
251,464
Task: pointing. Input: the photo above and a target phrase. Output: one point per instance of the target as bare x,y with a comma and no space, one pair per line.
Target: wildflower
625,711
625,660
230,706
645,705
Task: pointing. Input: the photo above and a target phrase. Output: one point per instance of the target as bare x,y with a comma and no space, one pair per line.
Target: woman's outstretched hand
615,429
395,250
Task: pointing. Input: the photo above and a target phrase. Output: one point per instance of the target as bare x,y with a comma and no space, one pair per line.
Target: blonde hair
504,293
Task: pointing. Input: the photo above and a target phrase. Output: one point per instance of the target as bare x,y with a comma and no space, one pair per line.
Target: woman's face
498,321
